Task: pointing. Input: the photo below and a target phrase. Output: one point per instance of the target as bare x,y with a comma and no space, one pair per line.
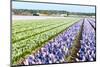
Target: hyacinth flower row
87,51
56,49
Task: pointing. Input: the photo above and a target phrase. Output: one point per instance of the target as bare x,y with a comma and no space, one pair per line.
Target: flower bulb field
53,40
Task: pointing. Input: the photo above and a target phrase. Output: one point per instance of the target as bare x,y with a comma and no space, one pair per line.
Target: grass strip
75,47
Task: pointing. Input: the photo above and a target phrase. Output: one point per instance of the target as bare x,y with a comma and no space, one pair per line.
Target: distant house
35,14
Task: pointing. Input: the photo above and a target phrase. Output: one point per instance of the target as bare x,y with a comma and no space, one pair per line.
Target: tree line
47,12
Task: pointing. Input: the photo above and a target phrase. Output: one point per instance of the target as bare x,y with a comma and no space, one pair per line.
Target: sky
46,6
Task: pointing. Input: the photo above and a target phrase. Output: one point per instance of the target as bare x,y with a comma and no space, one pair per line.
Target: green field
30,35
